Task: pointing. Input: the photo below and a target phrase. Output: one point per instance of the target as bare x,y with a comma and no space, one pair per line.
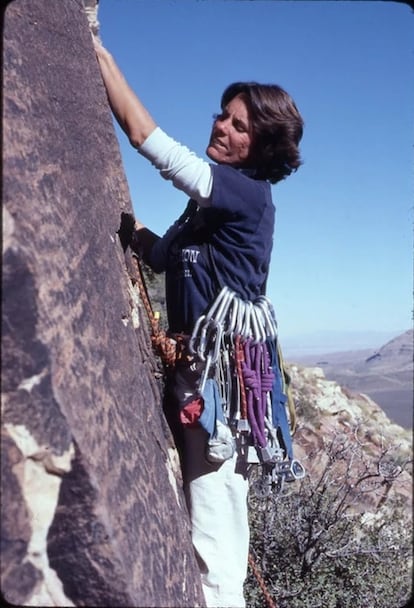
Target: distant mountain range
385,374
330,341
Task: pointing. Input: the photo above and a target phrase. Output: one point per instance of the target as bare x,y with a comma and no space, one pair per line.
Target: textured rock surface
93,512
327,410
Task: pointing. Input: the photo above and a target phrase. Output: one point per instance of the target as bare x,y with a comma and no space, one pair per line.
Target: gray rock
93,512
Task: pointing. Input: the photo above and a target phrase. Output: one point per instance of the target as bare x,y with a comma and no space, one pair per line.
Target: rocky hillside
395,356
341,536
329,413
386,374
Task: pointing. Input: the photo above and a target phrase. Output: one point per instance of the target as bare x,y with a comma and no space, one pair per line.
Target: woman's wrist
132,116
138,225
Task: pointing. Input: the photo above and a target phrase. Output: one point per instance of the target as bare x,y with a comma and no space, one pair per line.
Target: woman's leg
217,502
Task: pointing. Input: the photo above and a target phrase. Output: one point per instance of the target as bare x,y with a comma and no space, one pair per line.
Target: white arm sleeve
177,163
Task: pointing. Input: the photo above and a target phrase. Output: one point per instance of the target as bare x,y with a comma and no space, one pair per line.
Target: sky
341,274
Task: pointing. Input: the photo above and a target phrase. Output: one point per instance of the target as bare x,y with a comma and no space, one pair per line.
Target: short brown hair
277,128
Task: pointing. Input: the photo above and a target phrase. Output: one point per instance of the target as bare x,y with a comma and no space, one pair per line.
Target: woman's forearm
130,113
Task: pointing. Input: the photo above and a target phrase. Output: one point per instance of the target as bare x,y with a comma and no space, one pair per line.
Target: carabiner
246,330
231,324
241,305
270,322
259,334
216,303
193,336
217,343
220,315
201,349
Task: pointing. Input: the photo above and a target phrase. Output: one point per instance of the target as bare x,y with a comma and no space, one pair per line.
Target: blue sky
341,272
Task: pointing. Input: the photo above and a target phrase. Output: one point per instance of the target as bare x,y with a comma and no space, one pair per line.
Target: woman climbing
223,239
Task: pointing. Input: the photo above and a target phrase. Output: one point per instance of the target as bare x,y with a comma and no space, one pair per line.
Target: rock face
92,508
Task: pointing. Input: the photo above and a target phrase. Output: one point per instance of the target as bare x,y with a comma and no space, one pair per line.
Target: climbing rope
259,380
164,346
269,600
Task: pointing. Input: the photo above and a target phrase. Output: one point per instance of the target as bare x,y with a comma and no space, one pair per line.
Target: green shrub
316,548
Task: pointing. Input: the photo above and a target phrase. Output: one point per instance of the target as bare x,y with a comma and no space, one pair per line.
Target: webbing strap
286,380
279,399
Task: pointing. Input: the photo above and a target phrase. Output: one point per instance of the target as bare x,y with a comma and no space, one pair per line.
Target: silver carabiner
231,324
204,375
246,330
201,349
270,321
216,303
240,317
217,343
193,336
261,321
220,315
259,335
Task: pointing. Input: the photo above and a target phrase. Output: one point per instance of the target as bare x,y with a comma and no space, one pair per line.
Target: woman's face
232,134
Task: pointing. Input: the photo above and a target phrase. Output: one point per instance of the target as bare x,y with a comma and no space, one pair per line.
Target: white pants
217,502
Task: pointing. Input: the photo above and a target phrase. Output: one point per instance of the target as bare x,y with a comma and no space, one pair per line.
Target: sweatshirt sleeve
177,163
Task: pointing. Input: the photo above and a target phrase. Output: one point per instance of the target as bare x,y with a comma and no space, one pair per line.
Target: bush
317,546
